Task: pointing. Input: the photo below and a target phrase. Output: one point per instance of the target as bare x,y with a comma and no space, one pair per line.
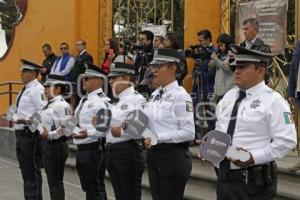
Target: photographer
203,81
143,56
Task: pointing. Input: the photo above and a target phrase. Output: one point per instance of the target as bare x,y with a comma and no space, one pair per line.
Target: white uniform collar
95,92
169,87
55,98
252,41
255,89
82,52
126,92
32,83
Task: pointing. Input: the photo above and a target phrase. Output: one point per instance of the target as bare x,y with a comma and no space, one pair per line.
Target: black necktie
161,92
159,95
49,102
80,107
19,97
225,164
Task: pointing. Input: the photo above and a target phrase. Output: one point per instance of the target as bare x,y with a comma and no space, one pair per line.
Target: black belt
121,145
61,139
162,146
257,172
25,133
89,146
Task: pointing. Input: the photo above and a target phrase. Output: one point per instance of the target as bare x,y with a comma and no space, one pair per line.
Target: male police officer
89,156
29,101
259,121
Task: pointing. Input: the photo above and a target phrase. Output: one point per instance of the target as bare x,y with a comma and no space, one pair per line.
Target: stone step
201,184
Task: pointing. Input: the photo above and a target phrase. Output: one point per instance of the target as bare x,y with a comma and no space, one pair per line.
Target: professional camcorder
199,52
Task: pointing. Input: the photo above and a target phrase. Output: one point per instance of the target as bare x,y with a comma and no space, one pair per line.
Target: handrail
10,91
11,82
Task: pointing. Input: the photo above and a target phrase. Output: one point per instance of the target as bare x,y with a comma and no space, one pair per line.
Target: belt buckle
245,175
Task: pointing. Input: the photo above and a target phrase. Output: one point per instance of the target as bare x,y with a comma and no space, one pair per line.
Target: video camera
199,52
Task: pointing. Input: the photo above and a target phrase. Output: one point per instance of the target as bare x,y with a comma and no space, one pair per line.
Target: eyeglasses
61,48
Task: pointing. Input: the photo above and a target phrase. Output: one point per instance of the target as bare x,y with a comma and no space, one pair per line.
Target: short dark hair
48,46
149,35
206,34
174,40
64,43
226,39
253,21
82,41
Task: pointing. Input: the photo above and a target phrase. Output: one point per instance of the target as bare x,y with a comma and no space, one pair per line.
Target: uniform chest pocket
252,115
167,109
88,108
26,97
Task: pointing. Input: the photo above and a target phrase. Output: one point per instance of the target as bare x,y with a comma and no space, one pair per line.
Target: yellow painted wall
55,21
200,14
50,21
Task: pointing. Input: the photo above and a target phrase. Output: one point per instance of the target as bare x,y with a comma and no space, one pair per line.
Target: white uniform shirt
129,100
31,101
55,115
96,100
264,123
171,118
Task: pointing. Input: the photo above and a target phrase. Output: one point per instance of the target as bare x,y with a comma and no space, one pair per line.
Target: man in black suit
82,57
48,62
79,68
252,41
294,87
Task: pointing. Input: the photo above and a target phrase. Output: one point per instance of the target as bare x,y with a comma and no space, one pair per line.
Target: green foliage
9,15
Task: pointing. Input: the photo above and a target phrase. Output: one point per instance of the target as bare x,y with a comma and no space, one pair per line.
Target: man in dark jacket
82,57
294,87
252,41
49,60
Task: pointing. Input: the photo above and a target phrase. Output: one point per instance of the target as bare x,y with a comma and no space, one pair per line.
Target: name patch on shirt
67,111
124,107
288,118
189,106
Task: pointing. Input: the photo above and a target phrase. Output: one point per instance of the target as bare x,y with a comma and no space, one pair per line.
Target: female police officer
171,119
125,157
55,149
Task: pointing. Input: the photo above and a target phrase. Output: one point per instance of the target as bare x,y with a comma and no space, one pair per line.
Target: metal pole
10,93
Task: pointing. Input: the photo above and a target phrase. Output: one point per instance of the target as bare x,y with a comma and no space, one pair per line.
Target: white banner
272,17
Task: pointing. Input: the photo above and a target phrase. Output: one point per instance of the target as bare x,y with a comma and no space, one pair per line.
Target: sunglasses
61,48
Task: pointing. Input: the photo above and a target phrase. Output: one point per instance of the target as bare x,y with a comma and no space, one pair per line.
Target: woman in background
221,61
111,51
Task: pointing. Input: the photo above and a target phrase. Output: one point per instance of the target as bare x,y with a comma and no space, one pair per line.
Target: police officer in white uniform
55,149
29,101
89,155
125,156
171,119
260,122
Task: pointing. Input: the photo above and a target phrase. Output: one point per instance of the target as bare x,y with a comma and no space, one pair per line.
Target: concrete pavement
11,183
